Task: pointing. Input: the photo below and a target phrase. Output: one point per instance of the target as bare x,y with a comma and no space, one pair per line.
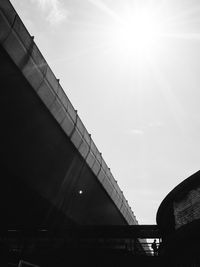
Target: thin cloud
156,124
54,11
137,131
146,128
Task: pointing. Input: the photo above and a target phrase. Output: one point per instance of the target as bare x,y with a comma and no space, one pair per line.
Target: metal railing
129,241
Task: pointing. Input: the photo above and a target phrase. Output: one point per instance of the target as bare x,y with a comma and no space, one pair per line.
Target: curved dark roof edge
186,184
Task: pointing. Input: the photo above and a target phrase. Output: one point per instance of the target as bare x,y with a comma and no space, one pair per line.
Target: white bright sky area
131,69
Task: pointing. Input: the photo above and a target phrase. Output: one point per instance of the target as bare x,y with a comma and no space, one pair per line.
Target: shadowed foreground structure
82,246
178,219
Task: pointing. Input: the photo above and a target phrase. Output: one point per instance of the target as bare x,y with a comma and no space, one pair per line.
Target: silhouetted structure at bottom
80,246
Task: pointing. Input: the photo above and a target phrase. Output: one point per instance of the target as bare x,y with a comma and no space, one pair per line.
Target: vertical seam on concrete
11,28
100,166
56,95
89,148
75,123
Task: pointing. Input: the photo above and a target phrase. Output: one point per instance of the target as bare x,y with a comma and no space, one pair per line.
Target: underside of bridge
43,179
52,174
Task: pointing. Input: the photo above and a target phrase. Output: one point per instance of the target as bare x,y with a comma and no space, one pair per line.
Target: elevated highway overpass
52,173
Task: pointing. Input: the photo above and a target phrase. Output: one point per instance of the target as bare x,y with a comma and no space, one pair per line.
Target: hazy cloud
137,131
145,128
54,10
156,124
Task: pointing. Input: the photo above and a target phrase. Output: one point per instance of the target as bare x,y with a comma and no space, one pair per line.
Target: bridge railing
130,240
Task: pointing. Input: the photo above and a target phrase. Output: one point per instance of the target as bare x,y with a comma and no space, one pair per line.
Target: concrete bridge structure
52,173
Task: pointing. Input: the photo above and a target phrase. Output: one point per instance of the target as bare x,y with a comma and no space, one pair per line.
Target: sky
131,69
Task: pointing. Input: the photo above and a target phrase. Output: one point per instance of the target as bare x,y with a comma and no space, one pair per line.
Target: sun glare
138,32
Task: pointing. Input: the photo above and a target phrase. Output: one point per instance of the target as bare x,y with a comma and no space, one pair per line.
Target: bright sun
136,33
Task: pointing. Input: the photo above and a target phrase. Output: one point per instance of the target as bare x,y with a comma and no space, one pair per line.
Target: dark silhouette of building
178,219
